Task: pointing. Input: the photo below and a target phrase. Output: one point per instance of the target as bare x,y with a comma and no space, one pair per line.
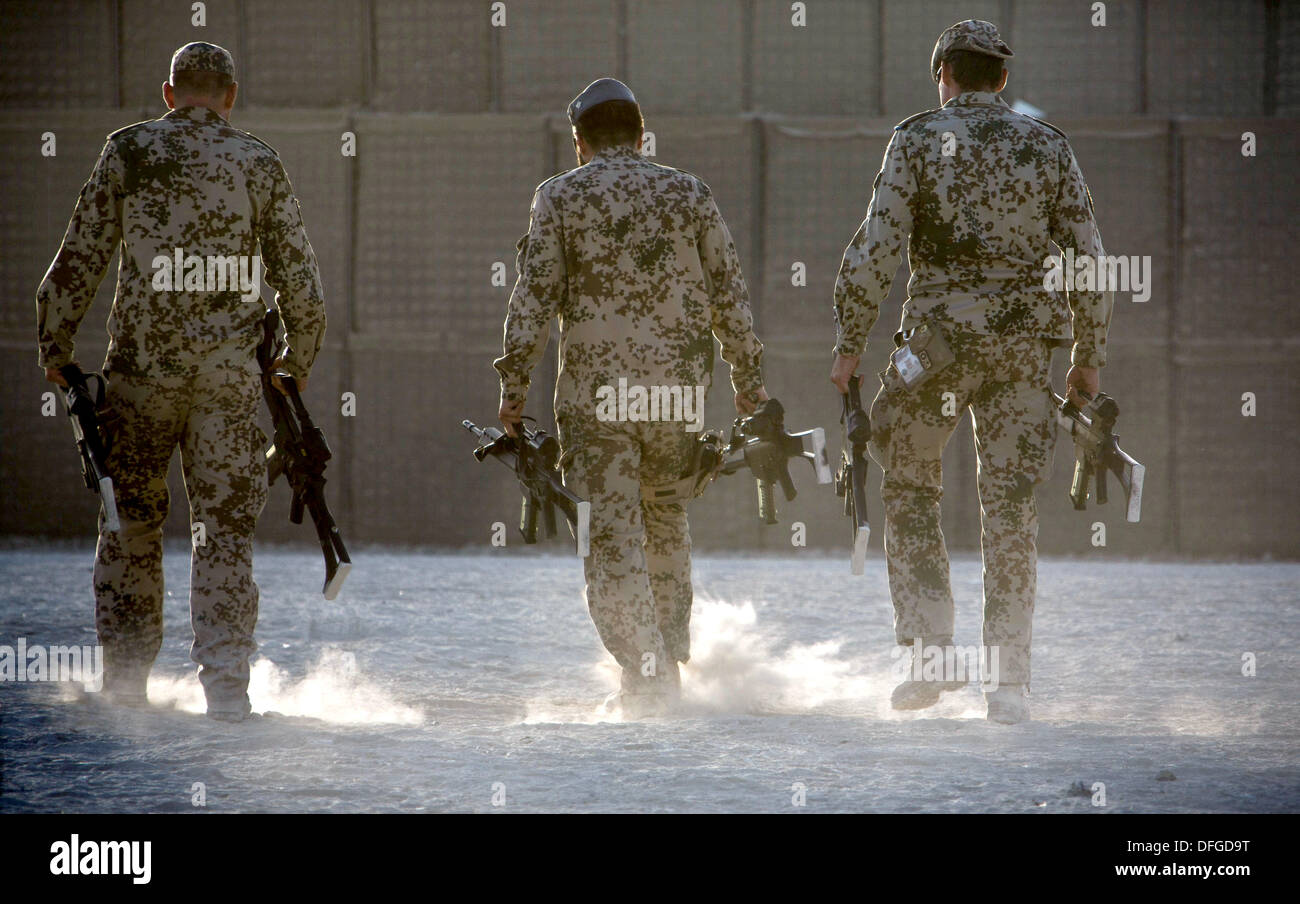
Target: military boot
1007,705
641,698
919,693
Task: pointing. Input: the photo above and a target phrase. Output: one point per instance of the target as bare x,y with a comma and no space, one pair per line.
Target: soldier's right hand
1082,380
843,370
52,374
511,415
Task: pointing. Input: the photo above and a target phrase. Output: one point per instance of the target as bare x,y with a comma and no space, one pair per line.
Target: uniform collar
617,152
977,97
196,114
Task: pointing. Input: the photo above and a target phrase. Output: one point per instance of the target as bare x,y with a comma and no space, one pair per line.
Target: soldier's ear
581,148
231,93
169,96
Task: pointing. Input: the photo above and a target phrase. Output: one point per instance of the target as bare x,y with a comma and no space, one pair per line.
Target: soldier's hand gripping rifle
85,409
1096,451
760,442
534,457
300,453
851,479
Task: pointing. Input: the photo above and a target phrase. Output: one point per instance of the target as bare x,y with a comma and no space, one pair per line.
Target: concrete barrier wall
703,57
456,122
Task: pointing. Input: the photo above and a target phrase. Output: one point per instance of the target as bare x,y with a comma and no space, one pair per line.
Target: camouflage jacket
185,188
637,263
980,221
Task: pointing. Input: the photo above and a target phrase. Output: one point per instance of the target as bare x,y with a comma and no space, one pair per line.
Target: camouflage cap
970,34
200,56
599,91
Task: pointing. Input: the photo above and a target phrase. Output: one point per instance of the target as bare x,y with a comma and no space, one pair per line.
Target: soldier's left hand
52,374
511,415
278,382
843,370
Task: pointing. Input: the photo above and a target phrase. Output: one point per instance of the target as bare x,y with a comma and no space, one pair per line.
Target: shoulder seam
1044,122
914,117
131,127
251,137
547,181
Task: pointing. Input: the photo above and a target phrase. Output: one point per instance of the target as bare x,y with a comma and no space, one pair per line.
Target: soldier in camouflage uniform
635,260
181,367
981,193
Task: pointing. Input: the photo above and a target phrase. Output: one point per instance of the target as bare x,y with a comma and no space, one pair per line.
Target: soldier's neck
984,96
202,105
617,150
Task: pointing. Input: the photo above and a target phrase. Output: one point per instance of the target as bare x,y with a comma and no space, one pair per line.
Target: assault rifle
1096,451
851,479
300,453
85,409
760,442
534,457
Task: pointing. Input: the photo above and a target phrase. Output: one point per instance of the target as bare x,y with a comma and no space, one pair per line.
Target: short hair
974,71
200,83
612,123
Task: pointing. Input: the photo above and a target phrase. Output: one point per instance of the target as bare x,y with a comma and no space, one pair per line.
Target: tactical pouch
924,353
706,462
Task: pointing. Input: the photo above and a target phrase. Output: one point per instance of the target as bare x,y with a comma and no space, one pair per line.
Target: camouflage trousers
638,572
213,419
1005,384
